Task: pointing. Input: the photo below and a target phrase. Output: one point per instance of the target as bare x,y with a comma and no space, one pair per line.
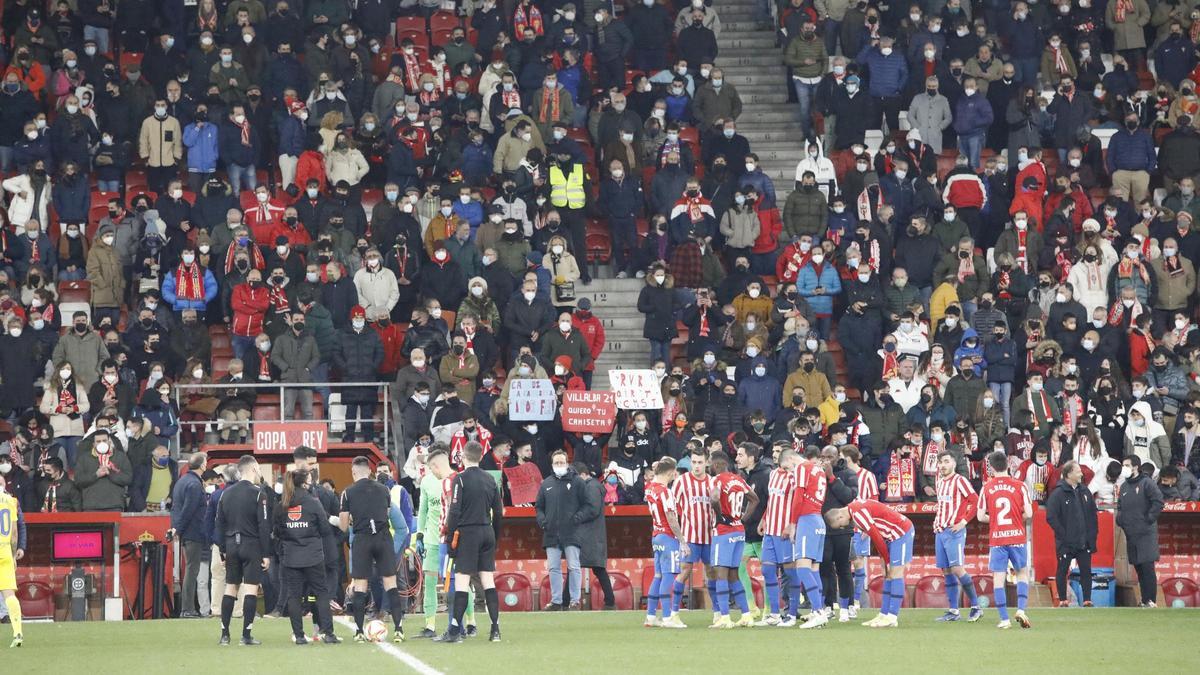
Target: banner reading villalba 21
589,412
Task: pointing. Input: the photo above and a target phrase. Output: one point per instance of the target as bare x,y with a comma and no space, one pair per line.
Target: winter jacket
1174,290
657,303
22,209
357,358
1131,151
740,226
930,116
760,393
1128,33
170,289
295,356
1071,512
804,212
1139,504
560,503
188,508
106,275
972,114
378,291
590,529
85,353
160,141
809,279
103,493
1002,358
887,74
66,424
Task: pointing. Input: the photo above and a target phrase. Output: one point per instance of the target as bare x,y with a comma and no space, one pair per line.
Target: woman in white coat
29,196
1089,276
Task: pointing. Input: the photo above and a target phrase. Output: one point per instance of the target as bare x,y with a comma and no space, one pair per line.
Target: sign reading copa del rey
589,411
277,438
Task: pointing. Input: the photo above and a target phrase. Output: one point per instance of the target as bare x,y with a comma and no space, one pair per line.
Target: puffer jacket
804,212
63,424
888,74
103,493
348,165
740,226
295,356
105,273
657,303
1174,290
809,279
378,291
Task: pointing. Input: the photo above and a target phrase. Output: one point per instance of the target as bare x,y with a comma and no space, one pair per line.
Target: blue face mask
163,461
242,241
612,480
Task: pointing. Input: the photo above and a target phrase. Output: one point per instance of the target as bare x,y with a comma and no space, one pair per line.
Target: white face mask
198,373
754,293
751,351
1059,297
564,326
359,324
529,296
760,371
840,396
988,403
64,374
477,291
557,250
660,279
709,359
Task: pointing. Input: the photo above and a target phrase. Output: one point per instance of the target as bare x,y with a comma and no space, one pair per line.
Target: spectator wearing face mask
83,349
103,475
1138,504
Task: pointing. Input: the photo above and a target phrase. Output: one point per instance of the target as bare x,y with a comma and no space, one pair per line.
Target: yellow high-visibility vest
567,191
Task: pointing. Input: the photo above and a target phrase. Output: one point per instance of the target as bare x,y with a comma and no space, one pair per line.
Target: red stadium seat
622,590
984,585
443,21
37,600
128,58
419,38
579,135
515,591
931,592
440,37
599,247
544,594
691,135
75,291
1182,590
406,24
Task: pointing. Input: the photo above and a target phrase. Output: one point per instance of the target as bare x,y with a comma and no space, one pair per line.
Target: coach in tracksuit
301,526
1071,513
836,573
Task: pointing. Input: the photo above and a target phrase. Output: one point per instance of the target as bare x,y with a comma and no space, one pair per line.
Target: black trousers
837,576
1147,581
1084,558
300,583
575,223
605,586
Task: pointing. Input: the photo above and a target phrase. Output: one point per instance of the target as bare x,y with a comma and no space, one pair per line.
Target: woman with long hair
1089,449
65,404
300,526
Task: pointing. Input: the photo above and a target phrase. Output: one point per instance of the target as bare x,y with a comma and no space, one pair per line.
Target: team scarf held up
188,283
902,474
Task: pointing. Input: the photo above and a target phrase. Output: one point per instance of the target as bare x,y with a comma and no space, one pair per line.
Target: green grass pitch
1061,641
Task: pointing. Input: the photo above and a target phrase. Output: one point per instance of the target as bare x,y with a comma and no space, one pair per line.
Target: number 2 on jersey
1004,506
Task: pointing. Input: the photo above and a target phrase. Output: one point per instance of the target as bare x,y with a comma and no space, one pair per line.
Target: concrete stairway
754,65
614,302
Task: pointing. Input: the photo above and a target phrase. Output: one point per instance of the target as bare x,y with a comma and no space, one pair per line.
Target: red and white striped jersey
779,502
811,484
731,498
868,485
879,522
1004,499
661,502
955,501
695,514
447,489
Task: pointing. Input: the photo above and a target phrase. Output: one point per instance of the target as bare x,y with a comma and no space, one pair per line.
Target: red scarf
264,366
902,476
52,498
929,463
1060,61
279,299
966,268
256,257
550,105
1126,267
1022,250
1117,313
66,401
1122,8
412,71
1042,410
510,99
188,285
703,323
533,20
1072,412
245,127
1064,263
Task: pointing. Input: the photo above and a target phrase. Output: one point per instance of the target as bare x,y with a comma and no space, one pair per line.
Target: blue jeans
832,33
971,145
822,325
968,310
554,558
242,346
100,35
78,275
1027,71
805,93
241,177
660,350
6,158
1003,392
108,185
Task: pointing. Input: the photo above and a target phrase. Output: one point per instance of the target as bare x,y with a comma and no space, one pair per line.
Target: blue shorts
666,555
950,547
727,549
810,538
900,552
1000,556
776,550
701,553
860,545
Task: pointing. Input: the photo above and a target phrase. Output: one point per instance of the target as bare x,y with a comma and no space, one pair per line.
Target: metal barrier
324,389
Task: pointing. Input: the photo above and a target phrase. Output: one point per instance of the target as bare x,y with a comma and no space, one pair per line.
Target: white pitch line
394,652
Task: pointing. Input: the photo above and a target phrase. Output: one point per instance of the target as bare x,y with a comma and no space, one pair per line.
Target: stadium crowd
408,192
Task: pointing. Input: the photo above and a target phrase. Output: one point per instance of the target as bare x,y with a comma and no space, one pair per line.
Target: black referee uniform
371,547
301,529
836,572
473,523
243,531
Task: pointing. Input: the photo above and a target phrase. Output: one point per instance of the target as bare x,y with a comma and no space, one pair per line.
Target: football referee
365,513
243,531
472,528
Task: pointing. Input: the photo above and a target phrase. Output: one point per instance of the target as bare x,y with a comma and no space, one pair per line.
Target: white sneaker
716,617
1004,625
768,620
1023,619
640,274
814,620
787,621
843,616
854,611
622,275
827,612
888,621
673,621
874,621
652,621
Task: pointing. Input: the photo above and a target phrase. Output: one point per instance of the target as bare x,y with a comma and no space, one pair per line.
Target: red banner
589,412
279,438
523,482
